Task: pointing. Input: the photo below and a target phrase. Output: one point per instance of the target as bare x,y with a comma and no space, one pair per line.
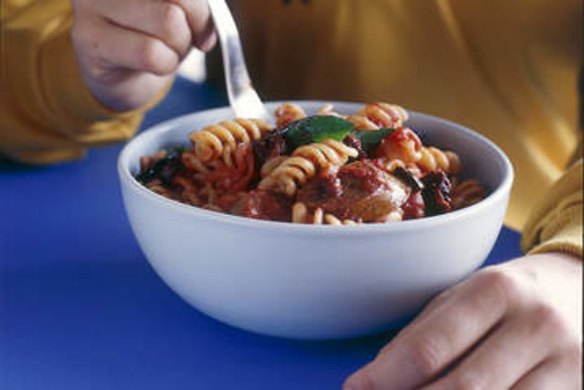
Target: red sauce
235,178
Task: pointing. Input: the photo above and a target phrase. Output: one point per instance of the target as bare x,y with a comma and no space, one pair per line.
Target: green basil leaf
315,128
370,139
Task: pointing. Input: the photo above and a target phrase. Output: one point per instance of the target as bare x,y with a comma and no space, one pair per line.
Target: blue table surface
80,308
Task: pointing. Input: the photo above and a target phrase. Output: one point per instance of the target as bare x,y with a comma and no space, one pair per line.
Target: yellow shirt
47,114
505,68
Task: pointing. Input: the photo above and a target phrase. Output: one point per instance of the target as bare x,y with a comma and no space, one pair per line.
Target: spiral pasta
328,152
466,193
288,113
391,164
157,187
209,194
395,215
432,159
189,192
271,164
328,109
229,178
222,139
402,144
217,177
379,115
288,175
322,171
193,163
301,214
304,163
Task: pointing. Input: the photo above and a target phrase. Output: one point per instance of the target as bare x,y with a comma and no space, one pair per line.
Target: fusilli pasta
222,139
433,159
379,115
288,113
304,163
365,167
300,214
466,193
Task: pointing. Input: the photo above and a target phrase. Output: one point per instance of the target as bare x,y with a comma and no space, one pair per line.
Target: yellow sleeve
48,114
555,225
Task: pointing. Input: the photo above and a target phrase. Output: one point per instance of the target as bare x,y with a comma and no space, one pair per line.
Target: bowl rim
160,129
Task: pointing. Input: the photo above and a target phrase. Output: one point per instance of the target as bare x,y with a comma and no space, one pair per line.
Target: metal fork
242,96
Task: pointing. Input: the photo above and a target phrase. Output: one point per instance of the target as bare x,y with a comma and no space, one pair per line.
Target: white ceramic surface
304,281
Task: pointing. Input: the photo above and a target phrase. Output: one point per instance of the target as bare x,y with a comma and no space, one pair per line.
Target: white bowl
305,281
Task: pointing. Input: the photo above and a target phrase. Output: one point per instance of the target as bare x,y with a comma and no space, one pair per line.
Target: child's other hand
516,325
129,49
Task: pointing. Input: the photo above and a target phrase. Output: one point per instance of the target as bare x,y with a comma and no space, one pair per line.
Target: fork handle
236,75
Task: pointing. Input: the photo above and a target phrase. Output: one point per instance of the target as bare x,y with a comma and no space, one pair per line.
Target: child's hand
517,325
129,49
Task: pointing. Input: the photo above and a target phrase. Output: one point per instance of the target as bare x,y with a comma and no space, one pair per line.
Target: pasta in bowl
417,203
327,168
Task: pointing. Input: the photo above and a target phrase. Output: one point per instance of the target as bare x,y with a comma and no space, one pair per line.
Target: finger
502,358
109,47
555,373
200,22
439,336
163,20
